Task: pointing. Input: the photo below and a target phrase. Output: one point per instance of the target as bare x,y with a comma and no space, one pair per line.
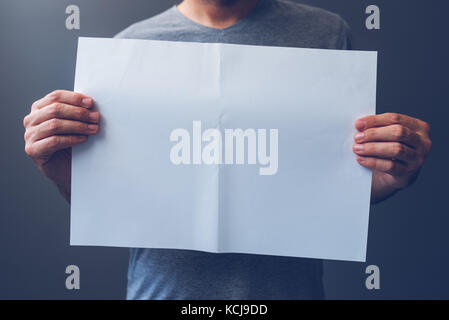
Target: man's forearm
383,194
65,191
382,190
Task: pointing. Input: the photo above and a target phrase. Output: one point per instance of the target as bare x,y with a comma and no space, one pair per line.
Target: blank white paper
127,193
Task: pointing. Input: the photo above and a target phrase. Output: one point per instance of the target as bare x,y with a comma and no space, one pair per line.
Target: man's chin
222,3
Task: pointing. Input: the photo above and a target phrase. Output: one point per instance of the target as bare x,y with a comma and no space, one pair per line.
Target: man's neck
217,14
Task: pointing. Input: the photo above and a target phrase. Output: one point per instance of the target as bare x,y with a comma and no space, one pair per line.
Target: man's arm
394,146
57,122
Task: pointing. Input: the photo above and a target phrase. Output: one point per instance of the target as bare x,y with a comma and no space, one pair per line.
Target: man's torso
181,274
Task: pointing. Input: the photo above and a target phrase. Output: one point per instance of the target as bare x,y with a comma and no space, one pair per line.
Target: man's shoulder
304,10
311,16
316,26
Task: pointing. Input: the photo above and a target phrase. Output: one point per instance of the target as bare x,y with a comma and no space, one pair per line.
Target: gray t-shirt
182,274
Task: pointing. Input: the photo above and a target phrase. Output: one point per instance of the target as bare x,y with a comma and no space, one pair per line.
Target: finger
57,127
387,150
64,96
50,145
394,168
392,133
62,111
387,119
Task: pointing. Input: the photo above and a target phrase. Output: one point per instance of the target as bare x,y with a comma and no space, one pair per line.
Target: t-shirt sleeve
345,41
131,32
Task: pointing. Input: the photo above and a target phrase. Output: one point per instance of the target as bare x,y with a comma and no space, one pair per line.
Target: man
393,145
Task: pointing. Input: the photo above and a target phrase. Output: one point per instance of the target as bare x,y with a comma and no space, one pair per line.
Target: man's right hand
57,122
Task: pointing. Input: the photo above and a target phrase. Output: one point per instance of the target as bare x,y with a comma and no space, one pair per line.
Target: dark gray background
408,234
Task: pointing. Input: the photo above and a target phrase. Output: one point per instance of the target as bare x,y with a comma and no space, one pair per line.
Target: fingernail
360,159
87,102
360,124
358,147
92,127
94,116
359,136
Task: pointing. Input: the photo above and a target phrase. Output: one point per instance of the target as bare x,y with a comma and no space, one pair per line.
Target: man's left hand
394,146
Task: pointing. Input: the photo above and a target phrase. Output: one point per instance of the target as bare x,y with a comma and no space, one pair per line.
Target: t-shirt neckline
238,25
